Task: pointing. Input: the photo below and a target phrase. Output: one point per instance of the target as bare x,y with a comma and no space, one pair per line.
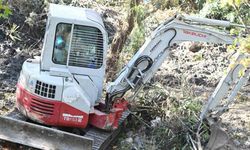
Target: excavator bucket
219,139
37,136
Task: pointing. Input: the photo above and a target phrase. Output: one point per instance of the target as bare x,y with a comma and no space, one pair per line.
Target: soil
199,66
201,70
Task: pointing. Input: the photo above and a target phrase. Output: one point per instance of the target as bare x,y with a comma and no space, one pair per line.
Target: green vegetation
245,44
5,11
198,57
137,35
237,11
13,33
178,111
178,108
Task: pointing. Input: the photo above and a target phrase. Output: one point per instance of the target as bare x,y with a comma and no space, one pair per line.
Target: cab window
61,43
86,47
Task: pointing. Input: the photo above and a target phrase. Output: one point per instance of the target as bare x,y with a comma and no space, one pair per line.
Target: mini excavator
64,87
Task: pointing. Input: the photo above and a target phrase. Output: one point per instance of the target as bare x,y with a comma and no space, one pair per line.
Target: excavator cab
63,87
75,41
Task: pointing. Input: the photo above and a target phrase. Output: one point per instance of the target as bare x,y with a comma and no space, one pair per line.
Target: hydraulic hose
110,98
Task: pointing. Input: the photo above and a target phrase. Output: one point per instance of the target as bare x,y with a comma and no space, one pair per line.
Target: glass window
86,47
61,44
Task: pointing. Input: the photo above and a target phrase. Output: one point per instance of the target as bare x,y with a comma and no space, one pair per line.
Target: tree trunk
119,41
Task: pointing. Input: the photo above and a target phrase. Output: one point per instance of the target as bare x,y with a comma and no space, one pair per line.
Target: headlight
26,82
31,84
23,79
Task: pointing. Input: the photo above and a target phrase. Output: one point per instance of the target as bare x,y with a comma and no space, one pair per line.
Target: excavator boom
154,51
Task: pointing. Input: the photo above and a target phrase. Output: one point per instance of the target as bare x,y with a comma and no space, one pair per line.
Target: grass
178,109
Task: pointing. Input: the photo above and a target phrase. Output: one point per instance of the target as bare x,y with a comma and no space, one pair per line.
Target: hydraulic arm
237,75
152,54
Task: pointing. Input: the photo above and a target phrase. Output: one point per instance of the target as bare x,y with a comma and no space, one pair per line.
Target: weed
5,11
137,39
198,57
13,33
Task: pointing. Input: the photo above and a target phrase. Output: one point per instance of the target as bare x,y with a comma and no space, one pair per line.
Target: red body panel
49,112
57,113
109,121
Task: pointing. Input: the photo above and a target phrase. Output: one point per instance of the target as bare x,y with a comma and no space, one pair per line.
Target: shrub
234,11
5,11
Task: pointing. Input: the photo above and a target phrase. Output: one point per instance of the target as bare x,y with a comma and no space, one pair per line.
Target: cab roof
74,13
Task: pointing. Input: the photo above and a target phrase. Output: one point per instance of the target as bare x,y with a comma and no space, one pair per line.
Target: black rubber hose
137,62
109,97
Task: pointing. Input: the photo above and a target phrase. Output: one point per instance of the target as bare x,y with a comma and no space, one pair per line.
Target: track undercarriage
24,132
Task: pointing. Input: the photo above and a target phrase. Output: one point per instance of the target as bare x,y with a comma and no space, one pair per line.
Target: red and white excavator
64,86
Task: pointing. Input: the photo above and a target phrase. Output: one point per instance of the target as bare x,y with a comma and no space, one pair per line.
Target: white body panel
88,86
75,16
67,89
75,96
31,72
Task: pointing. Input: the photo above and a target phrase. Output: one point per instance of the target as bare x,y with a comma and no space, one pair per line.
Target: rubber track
102,139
